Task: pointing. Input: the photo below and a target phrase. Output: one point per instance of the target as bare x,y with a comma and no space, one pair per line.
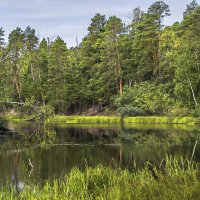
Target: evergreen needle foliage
141,68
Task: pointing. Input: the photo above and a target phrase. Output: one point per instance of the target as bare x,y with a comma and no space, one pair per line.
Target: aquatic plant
174,178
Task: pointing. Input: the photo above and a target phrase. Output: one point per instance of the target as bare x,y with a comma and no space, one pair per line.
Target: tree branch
5,57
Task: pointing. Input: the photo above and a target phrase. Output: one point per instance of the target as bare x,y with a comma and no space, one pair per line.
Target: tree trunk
120,86
193,93
16,85
119,70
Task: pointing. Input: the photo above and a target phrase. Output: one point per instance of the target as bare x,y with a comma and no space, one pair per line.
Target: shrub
46,112
150,98
129,111
177,111
196,112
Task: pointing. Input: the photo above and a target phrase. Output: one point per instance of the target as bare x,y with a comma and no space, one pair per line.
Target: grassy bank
162,120
179,180
16,118
110,119
85,119
127,120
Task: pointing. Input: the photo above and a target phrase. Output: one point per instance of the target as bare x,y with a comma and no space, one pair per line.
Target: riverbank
109,119
179,179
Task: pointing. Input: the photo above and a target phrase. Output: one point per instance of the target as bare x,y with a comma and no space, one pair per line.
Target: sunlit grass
127,120
162,120
86,119
110,119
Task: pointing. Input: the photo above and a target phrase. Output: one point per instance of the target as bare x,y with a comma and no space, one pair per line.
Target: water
33,152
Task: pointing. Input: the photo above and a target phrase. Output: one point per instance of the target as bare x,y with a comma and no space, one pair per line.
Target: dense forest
136,68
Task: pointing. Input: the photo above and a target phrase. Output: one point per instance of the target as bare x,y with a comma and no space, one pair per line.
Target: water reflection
37,152
15,177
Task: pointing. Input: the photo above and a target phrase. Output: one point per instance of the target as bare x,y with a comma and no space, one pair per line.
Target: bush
177,111
196,112
28,107
46,112
130,111
148,97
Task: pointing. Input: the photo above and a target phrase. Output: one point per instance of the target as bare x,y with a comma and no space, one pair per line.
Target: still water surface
33,152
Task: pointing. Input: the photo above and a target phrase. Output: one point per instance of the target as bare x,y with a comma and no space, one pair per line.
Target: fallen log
12,102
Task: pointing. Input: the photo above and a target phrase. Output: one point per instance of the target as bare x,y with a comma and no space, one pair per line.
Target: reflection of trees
171,136
89,135
41,134
85,146
37,134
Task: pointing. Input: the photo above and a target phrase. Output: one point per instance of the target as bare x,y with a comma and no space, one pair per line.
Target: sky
70,18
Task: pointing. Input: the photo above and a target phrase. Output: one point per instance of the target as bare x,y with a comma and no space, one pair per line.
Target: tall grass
176,178
162,120
86,119
127,120
110,119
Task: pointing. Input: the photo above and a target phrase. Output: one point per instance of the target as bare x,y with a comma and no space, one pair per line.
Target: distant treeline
138,68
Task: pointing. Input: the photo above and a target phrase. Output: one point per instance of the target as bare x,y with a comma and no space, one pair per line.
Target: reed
175,178
162,120
127,120
109,119
85,119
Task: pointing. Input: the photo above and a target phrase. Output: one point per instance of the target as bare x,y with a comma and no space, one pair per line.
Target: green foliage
177,111
28,107
81,120
127,111
153,68
161,120
196,112
146,96
85,119
191,8
2,34
179,180
46,112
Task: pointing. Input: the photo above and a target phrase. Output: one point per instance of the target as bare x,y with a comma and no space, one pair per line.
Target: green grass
179,180
16,118
85,119
162,120
127,120
110,119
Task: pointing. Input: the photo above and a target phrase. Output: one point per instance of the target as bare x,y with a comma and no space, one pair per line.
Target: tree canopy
141,65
